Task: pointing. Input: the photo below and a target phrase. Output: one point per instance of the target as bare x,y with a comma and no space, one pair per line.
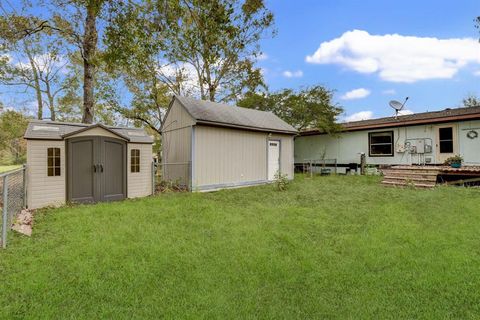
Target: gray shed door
96,169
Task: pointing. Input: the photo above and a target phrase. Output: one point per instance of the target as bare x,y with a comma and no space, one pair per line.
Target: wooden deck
429,176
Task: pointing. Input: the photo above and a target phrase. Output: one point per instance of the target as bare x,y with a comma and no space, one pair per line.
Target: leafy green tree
70,108
204,48
477,23
12,128
218,40
36,60
24,74
310,107
78,23
471,101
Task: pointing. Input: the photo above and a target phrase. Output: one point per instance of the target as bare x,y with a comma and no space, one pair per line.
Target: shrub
455,159
171,186
281,181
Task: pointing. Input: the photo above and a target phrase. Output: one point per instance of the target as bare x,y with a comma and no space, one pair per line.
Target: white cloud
362,115
405,112
262,56
44,62
356,94
293,74
398,58
476,73
7,108
183,71
389,92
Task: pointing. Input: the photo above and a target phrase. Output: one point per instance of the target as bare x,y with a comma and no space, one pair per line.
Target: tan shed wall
177,117
139,184
43,190
228,156
95,132
176,145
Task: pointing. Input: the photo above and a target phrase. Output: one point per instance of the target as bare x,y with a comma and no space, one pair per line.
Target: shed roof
53,130
220,114
447,115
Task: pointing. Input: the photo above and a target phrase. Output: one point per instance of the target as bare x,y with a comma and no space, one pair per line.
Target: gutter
398,124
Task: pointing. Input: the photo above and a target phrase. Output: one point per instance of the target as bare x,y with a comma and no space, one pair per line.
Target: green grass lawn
331,247
8,168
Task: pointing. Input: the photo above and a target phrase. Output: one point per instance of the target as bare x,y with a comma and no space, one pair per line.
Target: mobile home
422,138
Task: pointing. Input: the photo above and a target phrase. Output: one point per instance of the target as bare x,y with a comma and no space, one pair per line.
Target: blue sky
369,52
435,73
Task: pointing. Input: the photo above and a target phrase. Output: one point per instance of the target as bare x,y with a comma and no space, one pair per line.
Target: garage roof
52,130
213,113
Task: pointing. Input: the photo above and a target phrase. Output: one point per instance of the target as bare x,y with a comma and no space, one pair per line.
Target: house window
446,140
381,144
53,162
135,160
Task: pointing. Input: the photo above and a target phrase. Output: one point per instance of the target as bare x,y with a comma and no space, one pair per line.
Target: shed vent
45,128
136,134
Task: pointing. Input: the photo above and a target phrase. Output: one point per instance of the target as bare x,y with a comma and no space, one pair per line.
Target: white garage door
273,159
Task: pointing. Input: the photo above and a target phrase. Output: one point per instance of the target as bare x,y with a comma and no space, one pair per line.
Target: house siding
139,184
346,147
43,190
469,148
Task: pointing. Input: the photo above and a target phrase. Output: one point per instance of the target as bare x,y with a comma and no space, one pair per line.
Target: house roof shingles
232,116
446,115
52,130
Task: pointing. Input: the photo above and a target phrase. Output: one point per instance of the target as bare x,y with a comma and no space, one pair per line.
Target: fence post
4,212
363,163
24,194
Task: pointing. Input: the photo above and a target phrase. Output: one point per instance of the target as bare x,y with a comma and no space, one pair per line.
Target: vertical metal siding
225,156
177,144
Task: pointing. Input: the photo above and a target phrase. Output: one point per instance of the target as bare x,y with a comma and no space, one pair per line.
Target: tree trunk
51,101
36,83
89,48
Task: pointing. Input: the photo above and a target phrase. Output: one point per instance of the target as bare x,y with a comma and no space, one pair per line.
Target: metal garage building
74,162
208,145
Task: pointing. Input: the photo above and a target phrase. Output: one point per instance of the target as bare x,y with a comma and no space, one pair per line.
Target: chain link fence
175,176
13,200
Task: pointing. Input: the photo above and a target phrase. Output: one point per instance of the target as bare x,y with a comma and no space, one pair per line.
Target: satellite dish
397,106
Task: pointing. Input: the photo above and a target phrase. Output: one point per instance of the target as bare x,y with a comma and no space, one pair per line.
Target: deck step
429,172
406,184
419,177
411,177
412,172
414,169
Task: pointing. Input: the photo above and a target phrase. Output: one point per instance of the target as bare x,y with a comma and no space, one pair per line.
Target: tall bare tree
34,63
